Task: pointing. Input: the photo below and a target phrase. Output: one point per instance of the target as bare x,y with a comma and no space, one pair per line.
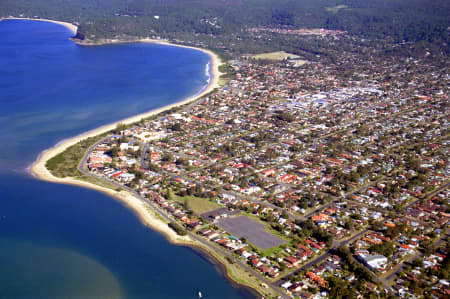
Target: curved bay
64,240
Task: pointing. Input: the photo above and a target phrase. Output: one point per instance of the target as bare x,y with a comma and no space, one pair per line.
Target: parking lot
250,229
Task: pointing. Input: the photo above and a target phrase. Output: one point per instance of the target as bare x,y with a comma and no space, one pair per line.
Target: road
144,161
413,258
82,168
321,258
211,246
428,195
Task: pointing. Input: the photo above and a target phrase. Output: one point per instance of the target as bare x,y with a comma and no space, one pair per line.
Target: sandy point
39,170
38,167
68,25
145,213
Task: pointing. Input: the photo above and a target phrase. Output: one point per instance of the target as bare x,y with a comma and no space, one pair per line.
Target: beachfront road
82,167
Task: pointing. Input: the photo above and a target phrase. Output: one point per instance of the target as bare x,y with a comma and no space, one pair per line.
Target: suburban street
168,219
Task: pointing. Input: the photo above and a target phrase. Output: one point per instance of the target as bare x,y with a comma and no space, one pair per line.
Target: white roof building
374,261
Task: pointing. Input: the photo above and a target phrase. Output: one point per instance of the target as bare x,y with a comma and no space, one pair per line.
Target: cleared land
274,56
209,214
250,229
198,205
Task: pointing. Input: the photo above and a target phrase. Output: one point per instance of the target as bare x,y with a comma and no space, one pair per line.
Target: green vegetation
340,288
66,163
385,248
226,69
119,127
196,198
99,182
277,56
236,273
274,251
197,205
229,260
310,229
177,228
363,274
222,24
443,271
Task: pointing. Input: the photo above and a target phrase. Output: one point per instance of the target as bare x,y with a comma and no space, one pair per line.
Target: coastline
68,25
145,214
39,170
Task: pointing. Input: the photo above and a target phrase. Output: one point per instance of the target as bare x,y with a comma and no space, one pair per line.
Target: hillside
228,20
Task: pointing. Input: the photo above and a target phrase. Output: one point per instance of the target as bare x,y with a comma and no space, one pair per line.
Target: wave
208,72
209,75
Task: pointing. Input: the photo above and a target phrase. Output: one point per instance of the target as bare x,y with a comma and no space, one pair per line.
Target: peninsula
144,210
317,174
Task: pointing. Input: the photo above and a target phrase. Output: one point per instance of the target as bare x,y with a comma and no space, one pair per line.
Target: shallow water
58,240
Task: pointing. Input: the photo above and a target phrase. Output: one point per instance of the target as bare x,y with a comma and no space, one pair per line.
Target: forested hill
410,20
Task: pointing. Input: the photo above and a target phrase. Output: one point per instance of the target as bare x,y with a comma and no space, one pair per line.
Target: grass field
273,56
198,205
97,181
273,251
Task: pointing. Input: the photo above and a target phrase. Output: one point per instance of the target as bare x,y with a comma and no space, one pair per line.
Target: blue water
58,240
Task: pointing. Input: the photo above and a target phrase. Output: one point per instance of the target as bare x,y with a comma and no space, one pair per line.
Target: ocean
68,242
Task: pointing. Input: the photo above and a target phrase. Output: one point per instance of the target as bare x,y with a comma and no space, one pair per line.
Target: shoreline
38,169
70,26
146,215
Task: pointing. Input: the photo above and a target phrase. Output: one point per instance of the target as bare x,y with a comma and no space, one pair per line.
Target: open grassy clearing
99,182
198,205
278,56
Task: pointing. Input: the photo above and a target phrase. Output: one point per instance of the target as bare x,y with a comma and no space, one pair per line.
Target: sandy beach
38,167
145,213
68,25
39,170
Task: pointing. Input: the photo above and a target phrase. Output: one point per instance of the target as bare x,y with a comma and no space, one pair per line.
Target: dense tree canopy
414,20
